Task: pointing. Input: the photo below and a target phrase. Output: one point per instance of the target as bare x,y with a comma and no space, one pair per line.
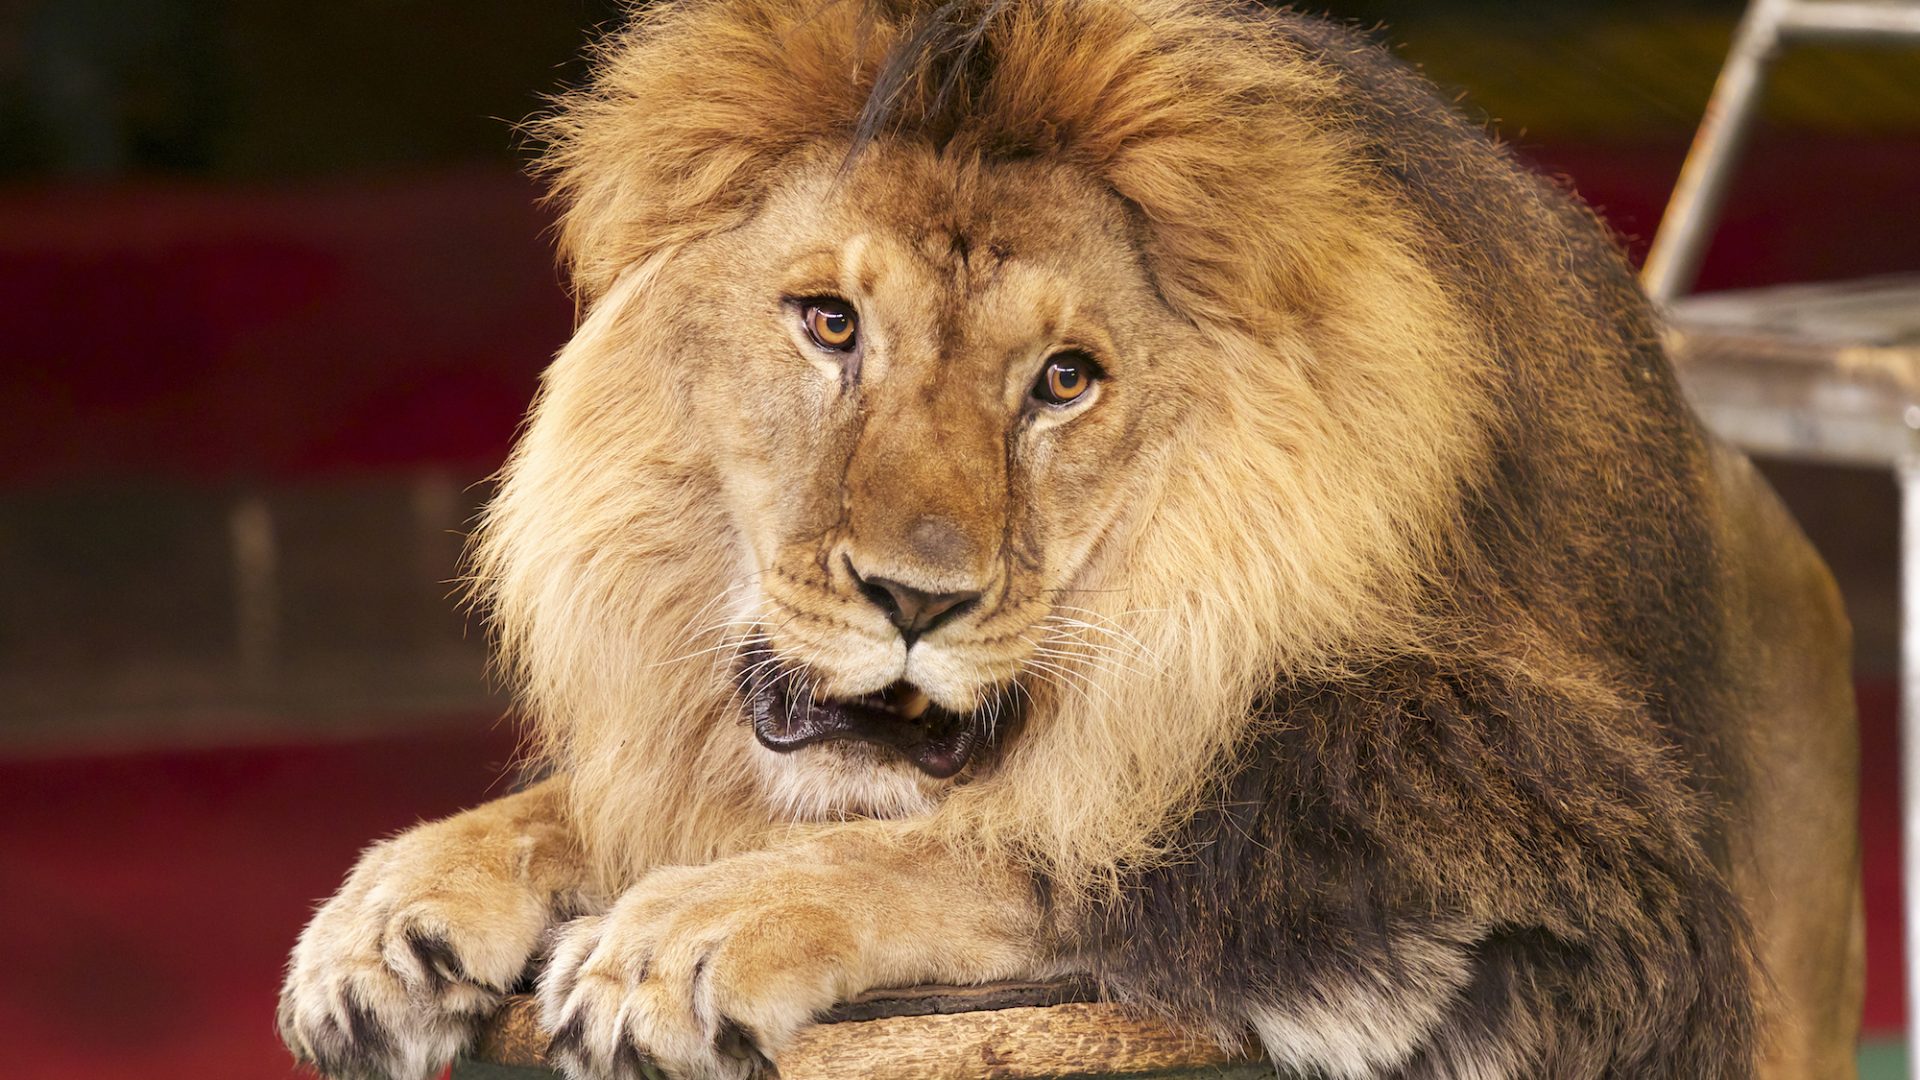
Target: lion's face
932,382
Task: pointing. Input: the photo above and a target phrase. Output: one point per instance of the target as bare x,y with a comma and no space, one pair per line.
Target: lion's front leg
429,931
706,973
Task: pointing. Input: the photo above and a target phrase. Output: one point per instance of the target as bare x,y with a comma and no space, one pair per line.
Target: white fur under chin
834,781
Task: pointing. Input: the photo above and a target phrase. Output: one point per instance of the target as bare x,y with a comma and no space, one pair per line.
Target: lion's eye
1067,378
831,324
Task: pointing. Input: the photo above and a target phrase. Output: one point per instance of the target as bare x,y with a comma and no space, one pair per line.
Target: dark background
274,292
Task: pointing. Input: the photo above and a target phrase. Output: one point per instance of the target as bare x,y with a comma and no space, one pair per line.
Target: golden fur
1299,491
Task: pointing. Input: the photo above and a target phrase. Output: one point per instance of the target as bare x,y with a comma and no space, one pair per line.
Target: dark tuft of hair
925,80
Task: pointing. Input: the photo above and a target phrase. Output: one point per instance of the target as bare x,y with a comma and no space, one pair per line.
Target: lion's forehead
962,220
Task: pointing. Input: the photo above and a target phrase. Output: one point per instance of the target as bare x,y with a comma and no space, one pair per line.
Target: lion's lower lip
939,743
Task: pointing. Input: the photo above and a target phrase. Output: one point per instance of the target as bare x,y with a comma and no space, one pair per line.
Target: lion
1135,489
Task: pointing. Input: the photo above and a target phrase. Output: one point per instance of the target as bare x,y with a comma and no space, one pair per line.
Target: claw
366,1035
629,1061
736,1042
437,959
568,1035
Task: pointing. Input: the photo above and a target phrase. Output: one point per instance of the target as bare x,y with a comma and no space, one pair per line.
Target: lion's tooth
911,704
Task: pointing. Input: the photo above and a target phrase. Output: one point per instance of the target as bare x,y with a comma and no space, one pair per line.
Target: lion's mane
1418,610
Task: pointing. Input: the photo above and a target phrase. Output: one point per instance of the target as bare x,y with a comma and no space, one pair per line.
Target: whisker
1066,636
1067,665
1114,615
1049,679
1105,626
1104,665
1066,633
1100,657
732,645
1076,681
718,598
761,675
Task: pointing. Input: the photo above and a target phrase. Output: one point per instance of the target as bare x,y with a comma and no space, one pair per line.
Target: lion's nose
913,611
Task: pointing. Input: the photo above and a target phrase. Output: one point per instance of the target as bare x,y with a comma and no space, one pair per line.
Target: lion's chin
835,781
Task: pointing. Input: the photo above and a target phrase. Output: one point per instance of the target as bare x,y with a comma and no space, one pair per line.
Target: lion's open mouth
938,741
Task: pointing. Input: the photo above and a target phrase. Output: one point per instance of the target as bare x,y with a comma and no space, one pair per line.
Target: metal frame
1701,189
1674,263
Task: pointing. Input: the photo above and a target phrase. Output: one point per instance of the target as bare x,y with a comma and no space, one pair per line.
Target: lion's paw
394,974
696,974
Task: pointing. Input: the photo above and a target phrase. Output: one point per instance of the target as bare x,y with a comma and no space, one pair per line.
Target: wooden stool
1006,1031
